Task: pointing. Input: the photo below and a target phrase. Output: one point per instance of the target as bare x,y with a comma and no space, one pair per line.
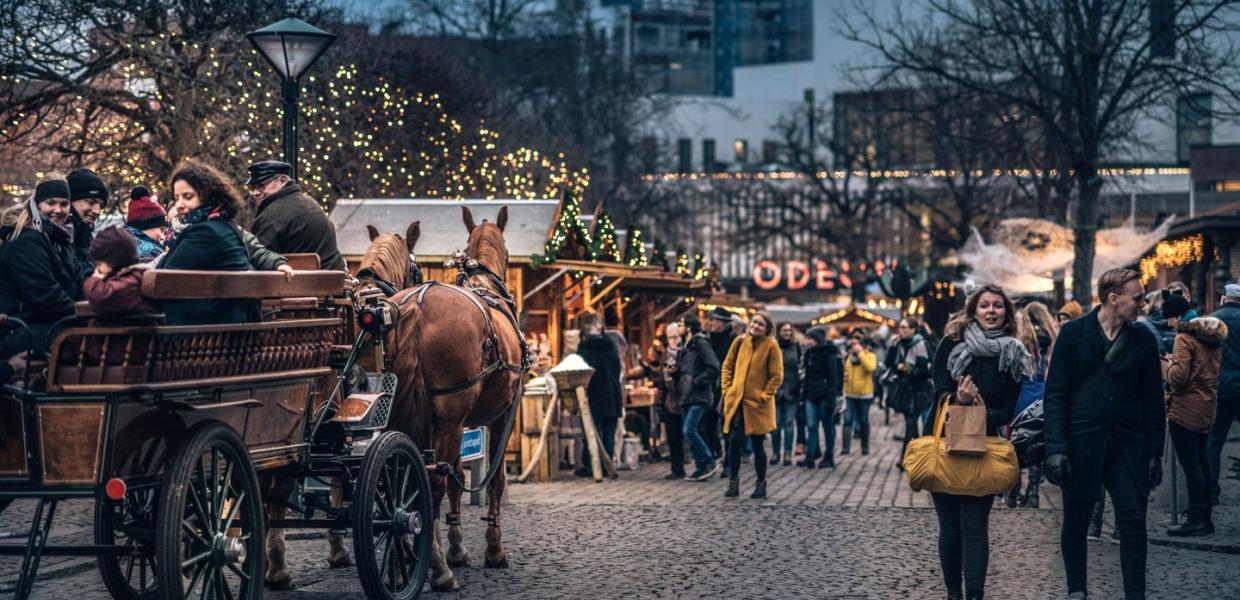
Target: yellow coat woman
751,374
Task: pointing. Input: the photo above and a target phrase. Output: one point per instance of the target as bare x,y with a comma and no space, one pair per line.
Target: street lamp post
291,46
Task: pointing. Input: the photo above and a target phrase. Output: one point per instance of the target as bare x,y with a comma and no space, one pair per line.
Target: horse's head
486,241
389,260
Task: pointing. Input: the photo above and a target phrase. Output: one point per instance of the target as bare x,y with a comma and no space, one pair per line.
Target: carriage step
8,535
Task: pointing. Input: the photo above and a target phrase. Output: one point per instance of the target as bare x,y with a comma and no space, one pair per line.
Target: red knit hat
145,212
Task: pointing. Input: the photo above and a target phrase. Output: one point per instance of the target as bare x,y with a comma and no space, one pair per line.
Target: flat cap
263,170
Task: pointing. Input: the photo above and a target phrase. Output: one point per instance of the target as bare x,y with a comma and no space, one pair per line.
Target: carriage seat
138,357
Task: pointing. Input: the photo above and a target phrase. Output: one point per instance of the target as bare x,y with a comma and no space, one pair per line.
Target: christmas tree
568,226
606,246
635,251
682,261
660,256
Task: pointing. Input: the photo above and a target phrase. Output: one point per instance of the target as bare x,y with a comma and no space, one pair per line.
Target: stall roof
529,223
634,277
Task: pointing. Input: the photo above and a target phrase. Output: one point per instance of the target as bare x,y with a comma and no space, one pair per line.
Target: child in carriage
115,288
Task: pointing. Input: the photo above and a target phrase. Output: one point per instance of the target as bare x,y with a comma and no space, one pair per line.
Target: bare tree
1084,70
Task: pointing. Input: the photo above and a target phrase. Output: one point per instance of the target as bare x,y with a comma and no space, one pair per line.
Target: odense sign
798,275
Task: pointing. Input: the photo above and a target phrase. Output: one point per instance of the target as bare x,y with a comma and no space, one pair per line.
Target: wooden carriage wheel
393,522
128,522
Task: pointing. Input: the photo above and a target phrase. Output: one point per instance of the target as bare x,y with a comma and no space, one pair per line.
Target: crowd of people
1112,381
51,255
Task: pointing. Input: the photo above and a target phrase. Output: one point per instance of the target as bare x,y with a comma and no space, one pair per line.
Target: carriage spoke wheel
128,522
393,522
209,536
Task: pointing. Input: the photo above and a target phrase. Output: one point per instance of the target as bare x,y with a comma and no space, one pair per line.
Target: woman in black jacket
38,281
979,360
908,378
604,391
822,382
206,204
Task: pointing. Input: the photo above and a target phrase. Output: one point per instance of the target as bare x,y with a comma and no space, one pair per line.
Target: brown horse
391,259
459,362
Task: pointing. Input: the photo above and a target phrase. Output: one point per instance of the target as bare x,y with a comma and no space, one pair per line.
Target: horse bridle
412,278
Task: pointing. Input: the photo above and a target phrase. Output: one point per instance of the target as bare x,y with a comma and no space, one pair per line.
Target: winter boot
759,489
1209,519
734,488
827,462
1193,526
1030,499
865,444
846,443
774,458
1013,496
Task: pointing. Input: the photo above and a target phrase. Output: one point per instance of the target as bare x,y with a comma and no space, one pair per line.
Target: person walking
1070,311
1040,340
788,397
697,370
859,366
1227,410
721,335
1104,421
908,379
1191,373
207,205
603,390
661,367
822,383
752,372
979,360
287,220
38,275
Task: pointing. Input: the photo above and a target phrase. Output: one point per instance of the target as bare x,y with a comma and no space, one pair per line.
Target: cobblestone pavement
855,532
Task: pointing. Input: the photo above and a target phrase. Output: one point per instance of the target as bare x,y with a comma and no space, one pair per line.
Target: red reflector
115,489
367,319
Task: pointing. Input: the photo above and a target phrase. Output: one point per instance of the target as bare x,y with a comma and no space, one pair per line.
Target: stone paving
854,532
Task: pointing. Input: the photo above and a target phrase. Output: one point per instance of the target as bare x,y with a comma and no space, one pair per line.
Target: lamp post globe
291,47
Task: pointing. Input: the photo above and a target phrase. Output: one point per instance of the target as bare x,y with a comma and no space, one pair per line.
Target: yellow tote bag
931,468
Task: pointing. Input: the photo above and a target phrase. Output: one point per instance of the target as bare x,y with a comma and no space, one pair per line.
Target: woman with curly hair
210,240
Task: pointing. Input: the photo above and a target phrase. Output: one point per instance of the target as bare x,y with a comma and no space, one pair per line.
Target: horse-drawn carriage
169,428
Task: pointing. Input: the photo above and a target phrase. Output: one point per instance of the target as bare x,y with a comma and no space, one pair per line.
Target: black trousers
736,446
1128,496
1190,450
964,540
674,425
710,430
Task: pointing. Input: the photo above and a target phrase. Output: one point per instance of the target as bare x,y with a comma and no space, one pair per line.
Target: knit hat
144,211
83,183
114,246
1072,310
1175,306
818,334
719,313
54,188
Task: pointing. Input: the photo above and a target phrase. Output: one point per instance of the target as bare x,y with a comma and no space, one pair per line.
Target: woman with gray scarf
38,281
981,359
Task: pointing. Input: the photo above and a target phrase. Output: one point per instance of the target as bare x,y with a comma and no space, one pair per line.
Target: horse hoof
497,562
448,585
340,562
461,560
283,581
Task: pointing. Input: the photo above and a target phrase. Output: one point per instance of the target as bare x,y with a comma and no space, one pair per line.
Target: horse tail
412,413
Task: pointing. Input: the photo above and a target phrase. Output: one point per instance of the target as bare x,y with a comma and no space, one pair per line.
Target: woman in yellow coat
751,375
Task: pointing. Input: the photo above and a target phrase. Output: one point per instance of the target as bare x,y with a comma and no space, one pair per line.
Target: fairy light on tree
682,261
567,227
700,269
635,250
606,246
660,256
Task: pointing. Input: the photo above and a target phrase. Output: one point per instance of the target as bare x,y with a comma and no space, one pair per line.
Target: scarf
912,349
979,343
203,213
60,234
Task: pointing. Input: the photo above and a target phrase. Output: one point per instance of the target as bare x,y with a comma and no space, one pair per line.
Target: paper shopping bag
966,429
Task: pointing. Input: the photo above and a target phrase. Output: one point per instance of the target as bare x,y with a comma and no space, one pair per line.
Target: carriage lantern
291,46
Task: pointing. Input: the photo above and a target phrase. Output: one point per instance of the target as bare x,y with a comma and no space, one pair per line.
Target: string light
635,252
606,247
1171,253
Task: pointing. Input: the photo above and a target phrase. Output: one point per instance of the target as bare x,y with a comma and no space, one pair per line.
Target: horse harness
478,296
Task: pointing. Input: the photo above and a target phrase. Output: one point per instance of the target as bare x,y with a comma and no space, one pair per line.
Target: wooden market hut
853,317
1201,252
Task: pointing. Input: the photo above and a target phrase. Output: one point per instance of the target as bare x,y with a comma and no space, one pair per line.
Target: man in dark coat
822,383
721,335
604,392
87,197
697,372
1105,422
1228,409
289,221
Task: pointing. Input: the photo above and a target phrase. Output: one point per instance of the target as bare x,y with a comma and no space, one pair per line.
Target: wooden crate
548,465
533,411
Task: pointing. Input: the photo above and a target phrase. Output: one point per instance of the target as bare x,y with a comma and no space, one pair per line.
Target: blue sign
471,444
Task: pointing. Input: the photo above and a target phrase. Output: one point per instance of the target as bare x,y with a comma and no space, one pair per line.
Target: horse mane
387,258
486,245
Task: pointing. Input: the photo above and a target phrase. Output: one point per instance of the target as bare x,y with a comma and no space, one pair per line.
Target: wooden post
600,463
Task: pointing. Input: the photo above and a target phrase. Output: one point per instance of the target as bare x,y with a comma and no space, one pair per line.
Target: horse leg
496,556
277,576
448,449
457,555
337,555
